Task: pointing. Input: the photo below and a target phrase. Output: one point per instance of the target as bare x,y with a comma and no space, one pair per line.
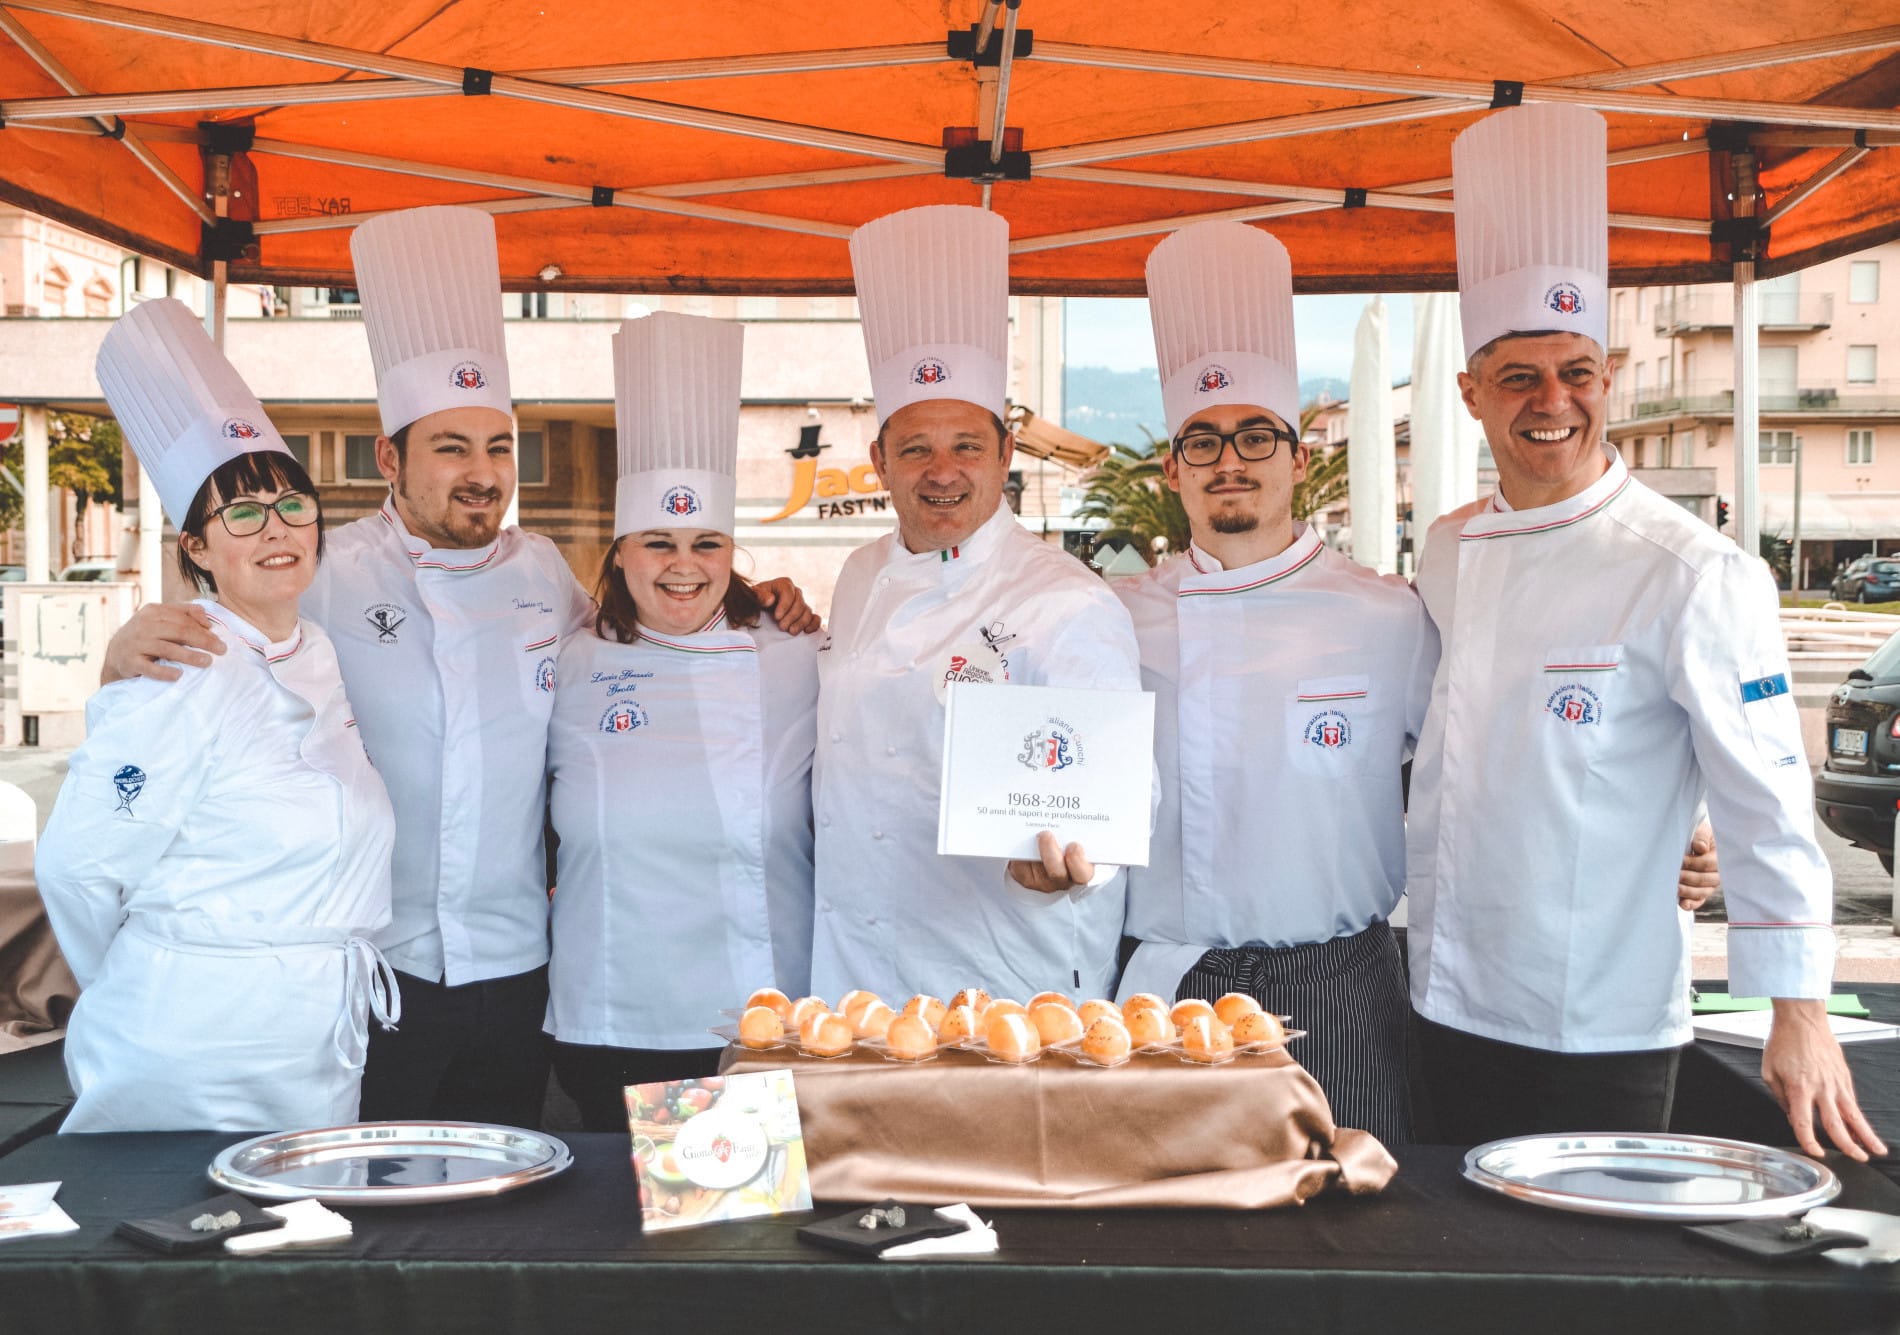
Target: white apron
217,856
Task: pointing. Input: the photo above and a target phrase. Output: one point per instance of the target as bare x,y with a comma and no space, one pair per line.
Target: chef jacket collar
271,651
1499,520
1210,577
426,557
966,555
715,637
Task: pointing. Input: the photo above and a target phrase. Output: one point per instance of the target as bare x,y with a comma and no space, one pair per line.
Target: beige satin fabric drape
37,990
1252,1133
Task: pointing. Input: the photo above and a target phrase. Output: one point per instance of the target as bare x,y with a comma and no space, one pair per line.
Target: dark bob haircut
258,471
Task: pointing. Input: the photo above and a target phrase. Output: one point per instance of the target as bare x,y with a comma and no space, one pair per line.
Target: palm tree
1129,494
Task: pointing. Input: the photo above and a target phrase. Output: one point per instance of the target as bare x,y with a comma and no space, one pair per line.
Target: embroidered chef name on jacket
619,683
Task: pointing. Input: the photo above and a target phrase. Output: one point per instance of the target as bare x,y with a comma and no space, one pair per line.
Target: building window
98,296
1636,453
531,458
300,448
1777,447
534,305
1863,282
1665,454
1861,360
1860,447
53,300
359,459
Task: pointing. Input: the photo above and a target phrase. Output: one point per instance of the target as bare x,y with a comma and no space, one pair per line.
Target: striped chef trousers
1349,995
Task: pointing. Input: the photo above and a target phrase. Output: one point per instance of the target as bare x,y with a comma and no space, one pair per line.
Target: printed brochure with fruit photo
724,1147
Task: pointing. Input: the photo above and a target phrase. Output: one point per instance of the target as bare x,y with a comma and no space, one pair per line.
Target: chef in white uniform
959,590
447,625
1608,661
220,848
1282,675
679,755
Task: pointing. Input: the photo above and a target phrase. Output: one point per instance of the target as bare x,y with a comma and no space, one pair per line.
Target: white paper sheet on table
306,1223
1882,1232
1018,760
979,1239
26,1198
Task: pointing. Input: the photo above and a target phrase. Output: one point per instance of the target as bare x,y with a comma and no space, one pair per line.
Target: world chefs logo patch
1212,378
1575,704
1329,730
680,502
1052,747
623,716
236,428
1565,299
544,675
467,375
128,783
929,371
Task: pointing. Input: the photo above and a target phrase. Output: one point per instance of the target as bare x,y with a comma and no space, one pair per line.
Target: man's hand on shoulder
786,603
1699,878
1058,870
179,632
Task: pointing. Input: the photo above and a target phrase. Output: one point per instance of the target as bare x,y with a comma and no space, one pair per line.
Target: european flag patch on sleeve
1764,688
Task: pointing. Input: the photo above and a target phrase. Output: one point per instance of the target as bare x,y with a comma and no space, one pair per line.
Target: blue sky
1113,332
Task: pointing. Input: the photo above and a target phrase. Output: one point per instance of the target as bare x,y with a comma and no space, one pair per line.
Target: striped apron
1349,994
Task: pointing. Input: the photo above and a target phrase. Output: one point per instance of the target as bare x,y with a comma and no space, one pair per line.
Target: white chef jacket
893,915
1607,661
680,781
449,657
218,851
1287,699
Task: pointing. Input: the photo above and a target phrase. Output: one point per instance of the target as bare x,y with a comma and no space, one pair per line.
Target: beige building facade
807,493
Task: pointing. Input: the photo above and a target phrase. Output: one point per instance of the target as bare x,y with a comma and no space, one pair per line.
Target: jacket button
825,821
890,750
836,738
877,834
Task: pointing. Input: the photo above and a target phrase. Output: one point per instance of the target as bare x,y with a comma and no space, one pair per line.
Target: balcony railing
1713,310
1717,398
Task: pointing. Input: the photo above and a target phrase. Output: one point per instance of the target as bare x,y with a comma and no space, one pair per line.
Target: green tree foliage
83,455
1128,492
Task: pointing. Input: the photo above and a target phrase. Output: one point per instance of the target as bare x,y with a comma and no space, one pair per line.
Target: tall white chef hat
430,281
1530,193
933,293
183,407
1221,298
676,413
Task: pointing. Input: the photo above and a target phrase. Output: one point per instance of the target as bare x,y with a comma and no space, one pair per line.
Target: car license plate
1850,742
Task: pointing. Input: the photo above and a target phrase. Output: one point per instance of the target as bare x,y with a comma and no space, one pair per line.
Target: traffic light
1721,513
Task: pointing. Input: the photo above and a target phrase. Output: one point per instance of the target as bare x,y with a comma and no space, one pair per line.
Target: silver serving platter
390,1163
1680,1178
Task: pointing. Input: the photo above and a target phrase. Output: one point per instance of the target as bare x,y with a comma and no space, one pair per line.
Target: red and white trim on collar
1549,525
716,624
417,554
1299,561
263,651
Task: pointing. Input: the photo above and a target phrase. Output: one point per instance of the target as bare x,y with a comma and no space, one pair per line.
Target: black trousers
596,1078
1349,995
1479,1089
473,1053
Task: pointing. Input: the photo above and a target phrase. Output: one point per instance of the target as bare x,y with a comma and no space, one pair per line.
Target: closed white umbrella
1371,475
1445,437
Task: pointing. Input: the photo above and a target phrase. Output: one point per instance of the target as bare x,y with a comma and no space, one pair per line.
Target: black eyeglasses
1255,444
243,518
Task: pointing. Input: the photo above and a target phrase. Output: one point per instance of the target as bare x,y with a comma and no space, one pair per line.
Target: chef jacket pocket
1773,721
1329,726
1577,690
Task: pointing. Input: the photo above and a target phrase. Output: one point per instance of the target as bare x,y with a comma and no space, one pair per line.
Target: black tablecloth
1431,1253
1720,1090
34,1095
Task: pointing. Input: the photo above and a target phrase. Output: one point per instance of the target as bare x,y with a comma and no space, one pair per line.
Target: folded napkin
979,1239
306,1223
1882,1232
